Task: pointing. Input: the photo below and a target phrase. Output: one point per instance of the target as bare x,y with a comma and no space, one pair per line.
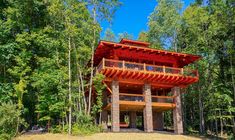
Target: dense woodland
47,45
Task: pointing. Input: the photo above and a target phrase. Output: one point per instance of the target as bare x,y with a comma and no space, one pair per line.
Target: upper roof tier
134,43
140,52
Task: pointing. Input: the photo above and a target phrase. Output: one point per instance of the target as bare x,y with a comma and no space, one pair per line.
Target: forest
47,45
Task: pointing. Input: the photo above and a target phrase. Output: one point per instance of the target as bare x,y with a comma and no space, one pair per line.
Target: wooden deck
140,73
135,102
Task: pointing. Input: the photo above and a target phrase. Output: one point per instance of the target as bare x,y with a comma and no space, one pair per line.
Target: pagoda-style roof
134,43
137,50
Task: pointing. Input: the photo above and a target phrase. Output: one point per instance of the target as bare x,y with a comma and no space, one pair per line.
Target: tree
125,35
164,23
99,88
109,35
9,114
105,10
143,36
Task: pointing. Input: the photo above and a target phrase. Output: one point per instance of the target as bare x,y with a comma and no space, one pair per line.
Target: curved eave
151,77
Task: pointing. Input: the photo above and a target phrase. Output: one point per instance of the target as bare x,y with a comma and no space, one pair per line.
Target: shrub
56,129
83,126
85,129
8,120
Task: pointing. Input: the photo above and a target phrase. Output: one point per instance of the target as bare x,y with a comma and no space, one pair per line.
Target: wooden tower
142,81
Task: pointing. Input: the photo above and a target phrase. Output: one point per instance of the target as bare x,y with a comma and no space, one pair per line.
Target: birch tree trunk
70,98
82,90
92,61
78,81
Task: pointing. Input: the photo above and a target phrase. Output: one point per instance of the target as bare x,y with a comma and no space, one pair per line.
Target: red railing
140,98
109,63
163,99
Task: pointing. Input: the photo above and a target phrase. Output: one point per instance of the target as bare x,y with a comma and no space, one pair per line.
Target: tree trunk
63,124
202,121
83,91
79,83
216,125
221,124
17,125
100,118
233,84
174,41
184,108
70,98
92,61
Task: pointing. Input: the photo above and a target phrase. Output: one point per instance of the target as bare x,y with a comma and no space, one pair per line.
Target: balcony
144,72
128,101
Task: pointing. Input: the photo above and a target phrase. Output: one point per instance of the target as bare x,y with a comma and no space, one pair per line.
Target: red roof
134,43
139,50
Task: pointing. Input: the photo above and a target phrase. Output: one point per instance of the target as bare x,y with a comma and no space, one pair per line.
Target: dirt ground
109,136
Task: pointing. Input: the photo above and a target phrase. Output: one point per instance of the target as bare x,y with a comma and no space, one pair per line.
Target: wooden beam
107,87
130,94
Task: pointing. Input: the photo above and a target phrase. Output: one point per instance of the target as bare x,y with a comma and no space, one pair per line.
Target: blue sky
132,16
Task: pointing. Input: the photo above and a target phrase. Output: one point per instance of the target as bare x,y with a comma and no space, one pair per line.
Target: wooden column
104,119
104,113
115,112
148,118
133,119
177,113
158,121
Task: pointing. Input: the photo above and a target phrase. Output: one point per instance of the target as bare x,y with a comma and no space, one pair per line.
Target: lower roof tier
141,73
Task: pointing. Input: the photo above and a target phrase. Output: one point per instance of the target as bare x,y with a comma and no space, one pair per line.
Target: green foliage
83,126
143,36
9,115
109,35
34,50
34,56
105,9
164,23
206,30
124,35
99,88
85,130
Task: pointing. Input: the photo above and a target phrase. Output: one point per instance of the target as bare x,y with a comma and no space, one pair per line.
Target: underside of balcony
135,102
133,106
141,73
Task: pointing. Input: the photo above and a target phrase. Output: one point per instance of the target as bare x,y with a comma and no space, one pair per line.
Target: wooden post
123,64
144,67
164,69
103,63
182,71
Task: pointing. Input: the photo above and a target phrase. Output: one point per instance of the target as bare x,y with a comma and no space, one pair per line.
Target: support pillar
158,121
133,119
148,118
122,117
177,112
115,112
104,119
